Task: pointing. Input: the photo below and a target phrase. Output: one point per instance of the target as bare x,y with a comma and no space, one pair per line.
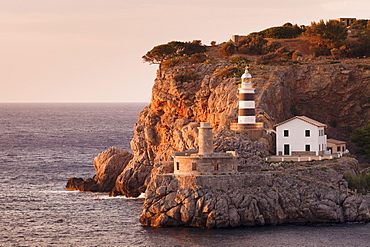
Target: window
343,149
308,148
286,132
215,166
177,166
338,149
321,132
193,166
307,133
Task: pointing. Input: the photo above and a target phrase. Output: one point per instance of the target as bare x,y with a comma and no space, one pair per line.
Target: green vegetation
291,44
360,182
361,137
360,24
175,49
253,44
230,72
330,32
287,31
227,49
240,61
294,111
333,123
187,75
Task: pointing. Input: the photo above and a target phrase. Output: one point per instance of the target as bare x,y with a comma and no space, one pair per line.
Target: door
286,149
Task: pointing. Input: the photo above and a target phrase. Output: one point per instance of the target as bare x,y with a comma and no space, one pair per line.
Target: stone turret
205,139
205,161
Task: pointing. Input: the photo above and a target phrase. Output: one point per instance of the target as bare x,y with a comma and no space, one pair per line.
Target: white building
300,136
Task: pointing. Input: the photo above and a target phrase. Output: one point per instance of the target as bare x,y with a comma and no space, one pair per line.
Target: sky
91,50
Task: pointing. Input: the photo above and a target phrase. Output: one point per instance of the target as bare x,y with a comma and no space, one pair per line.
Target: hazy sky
90,50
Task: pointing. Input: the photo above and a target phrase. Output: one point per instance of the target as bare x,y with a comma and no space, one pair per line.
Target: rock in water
108,165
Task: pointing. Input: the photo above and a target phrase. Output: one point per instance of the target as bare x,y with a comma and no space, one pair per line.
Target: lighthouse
247,109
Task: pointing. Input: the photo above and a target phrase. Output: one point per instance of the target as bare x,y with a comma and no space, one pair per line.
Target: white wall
297,139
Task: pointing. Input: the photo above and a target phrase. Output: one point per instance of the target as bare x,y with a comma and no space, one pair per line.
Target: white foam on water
59,191
107,197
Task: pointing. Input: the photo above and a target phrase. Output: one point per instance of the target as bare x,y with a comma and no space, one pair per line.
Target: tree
362,139
360,24
330,33
252,44
160,53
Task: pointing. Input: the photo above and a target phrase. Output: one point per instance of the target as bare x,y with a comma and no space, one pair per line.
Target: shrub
360,24
174,61
360,182
361,136
333,123
227,49
271,46
198,58
186,76
335,53
233,71
252,44
240,61
284,32
330,32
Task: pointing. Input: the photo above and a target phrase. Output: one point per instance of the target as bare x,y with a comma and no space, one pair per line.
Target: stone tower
205,139
247,110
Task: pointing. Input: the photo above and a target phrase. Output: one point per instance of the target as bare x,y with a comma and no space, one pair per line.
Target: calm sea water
42,145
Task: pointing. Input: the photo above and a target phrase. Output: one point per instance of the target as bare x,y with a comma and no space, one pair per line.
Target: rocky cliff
108,165
298,194
184,95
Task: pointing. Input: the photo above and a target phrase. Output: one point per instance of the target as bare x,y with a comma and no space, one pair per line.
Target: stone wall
212,164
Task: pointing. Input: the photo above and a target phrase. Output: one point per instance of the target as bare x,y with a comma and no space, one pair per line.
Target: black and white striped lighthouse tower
247,108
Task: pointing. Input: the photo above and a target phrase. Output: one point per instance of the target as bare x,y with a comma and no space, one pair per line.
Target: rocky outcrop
334,94
184,95
108,166
298,194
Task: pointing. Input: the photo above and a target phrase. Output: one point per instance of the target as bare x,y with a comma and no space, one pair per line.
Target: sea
44,144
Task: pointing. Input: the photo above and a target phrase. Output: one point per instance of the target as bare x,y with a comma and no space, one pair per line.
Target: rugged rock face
183,96
308,193
108,165
335,94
